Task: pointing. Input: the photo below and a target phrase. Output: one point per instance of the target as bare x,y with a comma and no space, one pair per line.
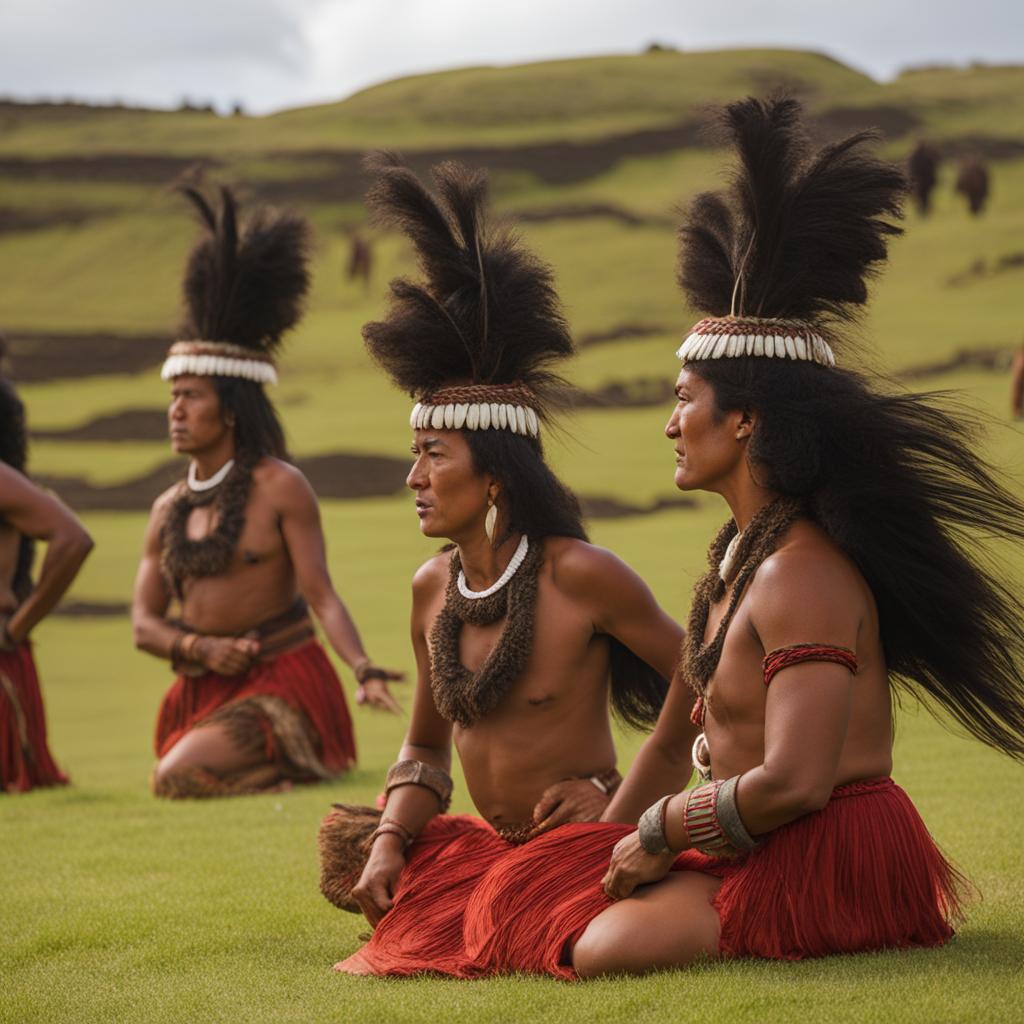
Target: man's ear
745,425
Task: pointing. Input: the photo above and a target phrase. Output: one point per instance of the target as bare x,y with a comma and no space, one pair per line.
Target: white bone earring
490,519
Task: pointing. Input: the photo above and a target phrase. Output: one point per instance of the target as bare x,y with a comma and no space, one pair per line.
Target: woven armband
775,661
419,773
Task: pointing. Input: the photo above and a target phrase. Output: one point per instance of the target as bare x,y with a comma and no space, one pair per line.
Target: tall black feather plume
245,284
486,311
799,232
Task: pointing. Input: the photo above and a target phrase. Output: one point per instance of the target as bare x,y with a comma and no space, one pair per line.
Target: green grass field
122,908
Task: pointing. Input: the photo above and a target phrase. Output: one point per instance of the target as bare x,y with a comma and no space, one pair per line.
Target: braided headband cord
478,407
218,359
764,337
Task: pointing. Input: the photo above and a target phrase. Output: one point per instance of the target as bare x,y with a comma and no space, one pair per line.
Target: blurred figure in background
238,544
28,514
973,184
360,259
922,169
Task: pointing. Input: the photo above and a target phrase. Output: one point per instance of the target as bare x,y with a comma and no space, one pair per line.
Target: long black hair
245,283
14,451
487,313
892,477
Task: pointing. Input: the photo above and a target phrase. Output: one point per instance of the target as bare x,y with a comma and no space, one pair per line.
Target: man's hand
375,891
631,865
225,655
570,800
375,692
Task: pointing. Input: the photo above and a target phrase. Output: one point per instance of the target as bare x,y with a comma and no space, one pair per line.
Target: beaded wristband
367,671
391,826
700,820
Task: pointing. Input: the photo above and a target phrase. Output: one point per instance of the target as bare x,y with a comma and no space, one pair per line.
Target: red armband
775,661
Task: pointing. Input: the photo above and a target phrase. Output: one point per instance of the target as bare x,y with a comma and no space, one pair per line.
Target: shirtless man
239,545
842,566
521,629
843,563
28,513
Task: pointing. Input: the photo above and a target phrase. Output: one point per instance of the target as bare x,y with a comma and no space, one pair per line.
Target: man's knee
594,952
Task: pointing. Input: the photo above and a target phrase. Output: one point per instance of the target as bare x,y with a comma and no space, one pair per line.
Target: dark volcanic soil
38,357
338,475
128,425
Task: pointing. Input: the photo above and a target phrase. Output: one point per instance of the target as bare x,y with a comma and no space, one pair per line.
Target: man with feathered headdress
238,543
27,514
522,630
847,569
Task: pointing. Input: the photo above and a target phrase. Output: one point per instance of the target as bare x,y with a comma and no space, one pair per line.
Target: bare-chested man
27,514
843,565
238,544
520,627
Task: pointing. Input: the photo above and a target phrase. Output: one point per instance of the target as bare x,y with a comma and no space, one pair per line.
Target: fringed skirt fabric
862,874
25,759
290,706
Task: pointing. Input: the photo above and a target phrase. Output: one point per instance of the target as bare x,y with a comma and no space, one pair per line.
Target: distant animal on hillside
922,168
360,259
972,183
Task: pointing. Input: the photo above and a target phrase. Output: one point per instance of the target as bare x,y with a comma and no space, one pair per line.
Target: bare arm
35,513
297,506
663,763
797,597
429,739
150,597
620,604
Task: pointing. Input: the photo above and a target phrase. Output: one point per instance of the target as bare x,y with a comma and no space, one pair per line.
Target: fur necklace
758,541
182,558
466,697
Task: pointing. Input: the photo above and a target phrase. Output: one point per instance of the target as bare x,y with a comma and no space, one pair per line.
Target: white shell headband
478,407
768,337
217,359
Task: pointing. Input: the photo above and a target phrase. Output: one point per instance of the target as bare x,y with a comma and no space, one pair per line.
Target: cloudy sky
270,54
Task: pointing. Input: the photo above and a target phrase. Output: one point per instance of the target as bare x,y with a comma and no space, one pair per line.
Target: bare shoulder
432,576
577,566
282,482
809,575
276,473
165,499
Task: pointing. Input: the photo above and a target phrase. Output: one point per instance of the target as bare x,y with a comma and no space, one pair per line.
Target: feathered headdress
244,288
783,258
476,339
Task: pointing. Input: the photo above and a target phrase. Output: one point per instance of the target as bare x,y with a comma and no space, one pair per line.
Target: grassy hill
211,911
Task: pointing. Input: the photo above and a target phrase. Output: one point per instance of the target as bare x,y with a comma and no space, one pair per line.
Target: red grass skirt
25,759
303,678
861,874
